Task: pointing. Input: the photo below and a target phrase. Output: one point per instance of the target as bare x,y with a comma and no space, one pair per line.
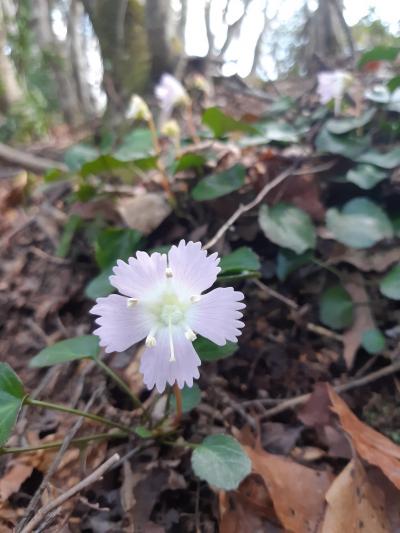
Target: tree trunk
57,55
79,59
160,31
120,29
10,89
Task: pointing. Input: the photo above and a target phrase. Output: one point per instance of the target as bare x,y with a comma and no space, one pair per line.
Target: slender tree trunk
160,29
59,61
10,89
79,59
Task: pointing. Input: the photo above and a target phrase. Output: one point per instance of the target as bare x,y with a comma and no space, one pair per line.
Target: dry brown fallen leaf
355,504
363,319
145,212
371,445
19,470
297,492
367,260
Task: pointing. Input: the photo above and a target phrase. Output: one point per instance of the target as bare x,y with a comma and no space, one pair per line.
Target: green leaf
221,461
12,396
280,131
336,308
79,154
100,285
240,260
70,228
338,126
393,84
188,161
102,164
83,347
137,144
53,175
209,351
115,243
221,124
373,341
345,145
288,262
390,284
365,176
388,160
191,397
220,184
288,226
360,224
379,53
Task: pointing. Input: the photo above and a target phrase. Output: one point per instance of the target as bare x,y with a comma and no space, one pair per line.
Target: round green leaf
209,351
373,341
365,176
100,285
220,184
360,224
221,461
12,396
390,284
221,124
336,308
67,350
348,145
386,160
288,226
191,397
241,259
338,126
288,262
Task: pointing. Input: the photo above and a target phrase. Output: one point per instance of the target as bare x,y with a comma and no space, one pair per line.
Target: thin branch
58,502
29,161
302,399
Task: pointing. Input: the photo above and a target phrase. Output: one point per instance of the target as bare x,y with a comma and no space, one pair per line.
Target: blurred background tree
72,61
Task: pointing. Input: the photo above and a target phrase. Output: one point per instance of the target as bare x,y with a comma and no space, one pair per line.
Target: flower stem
77,412
120,382
157,148
178,399
57,444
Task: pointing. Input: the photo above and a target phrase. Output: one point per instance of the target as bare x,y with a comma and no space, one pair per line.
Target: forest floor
271,395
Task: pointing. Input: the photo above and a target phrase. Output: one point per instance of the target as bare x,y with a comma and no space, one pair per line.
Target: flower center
171,314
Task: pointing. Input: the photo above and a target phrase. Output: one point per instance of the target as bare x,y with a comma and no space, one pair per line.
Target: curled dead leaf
145,212
371,445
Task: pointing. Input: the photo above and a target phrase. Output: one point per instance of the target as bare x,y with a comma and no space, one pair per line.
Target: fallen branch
58,502
260,197
29,161
302,399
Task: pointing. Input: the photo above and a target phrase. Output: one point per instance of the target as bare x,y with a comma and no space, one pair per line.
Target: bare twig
300,400
247,207
29,161
58,502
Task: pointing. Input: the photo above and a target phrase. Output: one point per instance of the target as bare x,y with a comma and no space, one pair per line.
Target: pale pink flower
332,86
162,301
170,93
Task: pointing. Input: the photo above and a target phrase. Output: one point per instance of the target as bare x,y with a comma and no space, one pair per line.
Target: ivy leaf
345,145
336,308
373,341
209,351
86,346
242,259
221,124
365,176
79,154
360,224
386,160
221,184
338,126
189,160
12,396
390,284
221,461
288,226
